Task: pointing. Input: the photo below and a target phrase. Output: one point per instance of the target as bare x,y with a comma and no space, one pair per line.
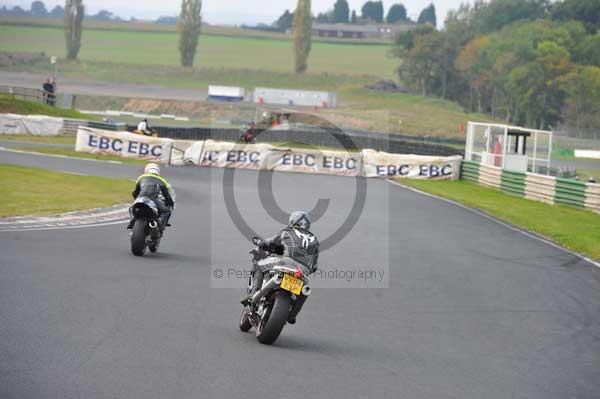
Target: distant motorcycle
147,229
270,307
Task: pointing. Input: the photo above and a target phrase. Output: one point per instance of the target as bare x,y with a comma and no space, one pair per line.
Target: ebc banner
123,144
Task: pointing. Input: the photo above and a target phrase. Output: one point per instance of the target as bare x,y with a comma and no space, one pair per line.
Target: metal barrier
318,137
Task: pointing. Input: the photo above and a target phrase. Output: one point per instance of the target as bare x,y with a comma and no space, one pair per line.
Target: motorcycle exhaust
269,285
306,290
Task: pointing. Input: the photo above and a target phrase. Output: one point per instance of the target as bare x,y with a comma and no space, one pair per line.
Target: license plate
292,284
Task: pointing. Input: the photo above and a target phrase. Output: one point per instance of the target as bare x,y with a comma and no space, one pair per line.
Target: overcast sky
229,11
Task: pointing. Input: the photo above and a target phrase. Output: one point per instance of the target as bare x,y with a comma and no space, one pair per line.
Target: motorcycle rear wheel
268,329
138,238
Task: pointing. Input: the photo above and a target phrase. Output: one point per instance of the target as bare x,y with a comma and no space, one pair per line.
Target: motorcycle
147,229
270,307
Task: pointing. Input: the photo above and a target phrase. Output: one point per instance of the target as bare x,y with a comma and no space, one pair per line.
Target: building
353,31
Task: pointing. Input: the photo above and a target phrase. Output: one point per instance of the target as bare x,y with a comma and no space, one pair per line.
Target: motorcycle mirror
256,240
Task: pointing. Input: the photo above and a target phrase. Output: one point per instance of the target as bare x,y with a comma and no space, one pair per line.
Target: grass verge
61,139
12,105
32,191
74,154
573,228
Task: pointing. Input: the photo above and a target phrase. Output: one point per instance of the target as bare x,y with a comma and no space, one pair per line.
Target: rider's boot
257,278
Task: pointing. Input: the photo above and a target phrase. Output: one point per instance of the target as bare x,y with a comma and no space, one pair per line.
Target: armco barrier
548,189
393,143
70,125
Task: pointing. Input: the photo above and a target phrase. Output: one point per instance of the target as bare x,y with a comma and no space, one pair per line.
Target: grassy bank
573,228
31,191
12,105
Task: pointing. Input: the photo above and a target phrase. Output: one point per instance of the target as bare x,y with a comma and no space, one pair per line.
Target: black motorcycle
147,229
270,307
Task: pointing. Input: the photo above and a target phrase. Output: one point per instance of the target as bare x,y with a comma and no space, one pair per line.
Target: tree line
38,10
529,62
371,12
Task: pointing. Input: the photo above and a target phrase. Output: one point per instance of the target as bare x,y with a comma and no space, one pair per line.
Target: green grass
160,48
12,105
573,228
74,154
62,139
31,191
585,174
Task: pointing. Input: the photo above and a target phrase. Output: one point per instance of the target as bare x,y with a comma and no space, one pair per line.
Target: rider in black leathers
152,185
296,242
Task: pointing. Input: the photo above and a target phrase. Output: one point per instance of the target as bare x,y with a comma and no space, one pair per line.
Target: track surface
473,310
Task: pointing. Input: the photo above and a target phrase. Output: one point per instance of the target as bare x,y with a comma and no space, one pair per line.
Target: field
576,229
31,191
160,48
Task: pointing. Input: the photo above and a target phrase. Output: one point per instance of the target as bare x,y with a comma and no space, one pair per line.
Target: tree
103,15
341,12
396,13
586,11
57,12
373,10
189,28
496,14
285,21
353,18
302,35
38,9
406,40
588,50
582,86
18,12
538,85
427,16
74,12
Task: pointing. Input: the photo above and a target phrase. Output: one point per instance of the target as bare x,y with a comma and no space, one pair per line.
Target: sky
227,11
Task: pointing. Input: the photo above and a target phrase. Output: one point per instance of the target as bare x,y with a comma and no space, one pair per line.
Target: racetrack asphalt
473,309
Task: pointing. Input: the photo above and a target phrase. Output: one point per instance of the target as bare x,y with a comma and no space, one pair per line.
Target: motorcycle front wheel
271,325
138,237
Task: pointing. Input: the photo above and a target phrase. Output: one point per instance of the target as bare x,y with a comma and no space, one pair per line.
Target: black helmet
299,219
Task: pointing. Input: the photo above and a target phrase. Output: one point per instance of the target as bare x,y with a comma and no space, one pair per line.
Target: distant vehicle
226,93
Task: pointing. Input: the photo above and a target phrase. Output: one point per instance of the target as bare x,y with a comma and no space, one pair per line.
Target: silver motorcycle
283,283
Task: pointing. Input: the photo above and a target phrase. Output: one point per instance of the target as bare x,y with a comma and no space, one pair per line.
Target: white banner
36,125
316,161
123,144
368,163
223,154
382,164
